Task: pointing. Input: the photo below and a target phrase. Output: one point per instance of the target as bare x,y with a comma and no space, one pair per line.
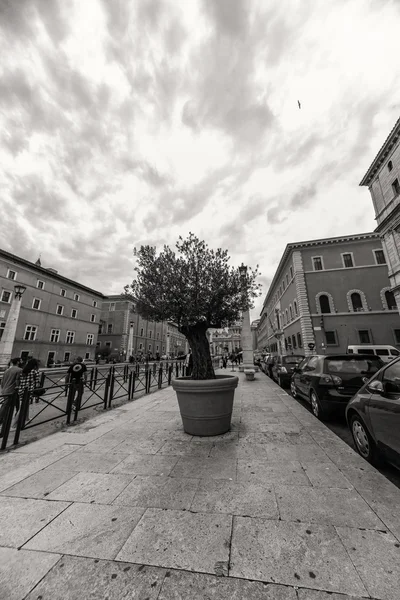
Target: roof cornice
380,158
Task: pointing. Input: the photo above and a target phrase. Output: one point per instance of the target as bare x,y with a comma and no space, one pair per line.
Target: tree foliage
194,287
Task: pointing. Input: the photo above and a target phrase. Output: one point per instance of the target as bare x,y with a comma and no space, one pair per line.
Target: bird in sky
298,102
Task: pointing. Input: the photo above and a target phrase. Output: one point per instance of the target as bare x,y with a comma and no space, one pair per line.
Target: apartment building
327,294
58,319
383,181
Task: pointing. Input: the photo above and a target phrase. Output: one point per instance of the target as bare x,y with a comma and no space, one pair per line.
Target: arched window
299,340
390,300
295,308
356,302
294,345
286,316
324,304
291,312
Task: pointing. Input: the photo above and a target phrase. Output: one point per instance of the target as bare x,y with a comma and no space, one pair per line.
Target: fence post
5,428
177,369
160,372
42,379
169,374
106,390
23,411
111,389
91,379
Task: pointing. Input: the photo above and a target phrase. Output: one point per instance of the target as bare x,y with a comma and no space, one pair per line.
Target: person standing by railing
9,389
76,375
29,380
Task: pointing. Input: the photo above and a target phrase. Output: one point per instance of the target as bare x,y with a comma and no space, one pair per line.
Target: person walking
9,390
76,376
224,361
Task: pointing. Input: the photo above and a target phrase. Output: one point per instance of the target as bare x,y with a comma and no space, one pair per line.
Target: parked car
283,368
329,381
373,416
386,353
269,363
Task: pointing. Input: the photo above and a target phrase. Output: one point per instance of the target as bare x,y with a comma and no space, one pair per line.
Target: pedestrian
189,363
29,379
9,390
76,376
224,361
131,359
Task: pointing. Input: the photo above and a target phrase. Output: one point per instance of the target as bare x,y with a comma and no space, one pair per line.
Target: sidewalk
277,509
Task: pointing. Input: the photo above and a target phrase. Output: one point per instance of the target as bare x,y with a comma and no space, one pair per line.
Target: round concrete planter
206,405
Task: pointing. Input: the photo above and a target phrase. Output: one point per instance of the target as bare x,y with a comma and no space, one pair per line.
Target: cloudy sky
128,122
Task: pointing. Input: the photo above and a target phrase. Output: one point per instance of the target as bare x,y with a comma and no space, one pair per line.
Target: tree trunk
198,342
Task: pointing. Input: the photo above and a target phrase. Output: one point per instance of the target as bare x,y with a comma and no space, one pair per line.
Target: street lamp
8,338
130,340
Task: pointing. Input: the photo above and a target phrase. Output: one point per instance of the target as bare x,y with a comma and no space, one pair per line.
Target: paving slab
207,468
76,578
132,445
91,530
304,594
185,448
89,462
21,570
376,556
385,502
325,474
281,552
107,442
180,540
99,488
248,499
39,485
326,506
302,452
21,518
147,464
289,472
159,492
180,585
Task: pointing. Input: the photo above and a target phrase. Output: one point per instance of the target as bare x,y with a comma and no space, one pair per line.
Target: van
386,353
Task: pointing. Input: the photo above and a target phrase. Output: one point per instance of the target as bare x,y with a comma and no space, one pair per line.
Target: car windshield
293,360
352,365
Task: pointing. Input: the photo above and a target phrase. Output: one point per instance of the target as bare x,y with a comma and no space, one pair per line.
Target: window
157,348
283,285
158,335
67,356
63,293
324,304
40,284
317,263
390,300
30,333
380,257
36,303
390,166
109,328
149,346
76,297
60,309
11,274
112,306
391,379
141,332
140,346
74,313
299,342
6,296
108,344
296,312
3,326
396,187
356,302
286,316
348,260
291,313
364,336
92,318
291,272
294,341
87,355
287,279
331,339
396,336
55,335
89,339
70,337
312,364
94,303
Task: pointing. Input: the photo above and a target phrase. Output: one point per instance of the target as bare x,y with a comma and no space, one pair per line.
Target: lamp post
7,340
130,340
246,341
168,344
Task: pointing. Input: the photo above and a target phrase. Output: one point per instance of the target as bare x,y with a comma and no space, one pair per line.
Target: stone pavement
129,506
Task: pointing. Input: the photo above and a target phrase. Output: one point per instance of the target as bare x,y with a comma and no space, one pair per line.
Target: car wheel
316,407
293,390
363,441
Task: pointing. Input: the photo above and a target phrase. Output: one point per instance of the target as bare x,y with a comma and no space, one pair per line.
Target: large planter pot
206,405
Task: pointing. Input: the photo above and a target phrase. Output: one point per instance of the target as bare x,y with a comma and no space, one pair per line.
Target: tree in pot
197,289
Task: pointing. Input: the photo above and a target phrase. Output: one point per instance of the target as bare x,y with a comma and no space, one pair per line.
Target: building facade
226,340
328,294
125,332
58,319
383,181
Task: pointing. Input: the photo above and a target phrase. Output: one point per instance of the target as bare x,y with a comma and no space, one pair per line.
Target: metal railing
103,387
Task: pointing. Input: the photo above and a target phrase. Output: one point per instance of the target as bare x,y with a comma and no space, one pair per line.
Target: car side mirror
376,387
